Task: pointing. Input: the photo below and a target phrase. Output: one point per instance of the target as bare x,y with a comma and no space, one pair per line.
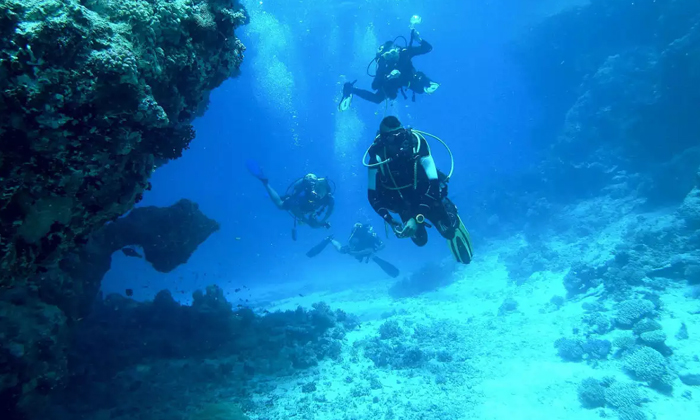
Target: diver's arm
378,244
375,199
433,192
376,97
297,187
330,205
423,47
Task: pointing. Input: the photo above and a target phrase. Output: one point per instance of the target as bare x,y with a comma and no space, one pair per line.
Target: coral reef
94,94
648,365
124,345
615,116
614,96
631,311
577,349
36,325
624,397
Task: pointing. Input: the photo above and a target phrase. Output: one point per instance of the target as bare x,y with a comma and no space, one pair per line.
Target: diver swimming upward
394,73
309,199
404,179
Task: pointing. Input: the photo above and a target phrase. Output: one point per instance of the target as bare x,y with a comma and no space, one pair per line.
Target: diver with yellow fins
394,72
404,179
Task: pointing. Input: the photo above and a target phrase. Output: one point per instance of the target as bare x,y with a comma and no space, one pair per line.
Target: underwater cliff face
95,95
615,81
615,86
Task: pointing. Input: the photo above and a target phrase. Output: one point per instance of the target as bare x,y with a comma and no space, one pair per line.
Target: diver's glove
415,35
408,230
348,88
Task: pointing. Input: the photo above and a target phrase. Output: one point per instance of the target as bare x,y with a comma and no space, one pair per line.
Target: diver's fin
345,103
319,248
461,244
255,170
386,266
347,96
431,88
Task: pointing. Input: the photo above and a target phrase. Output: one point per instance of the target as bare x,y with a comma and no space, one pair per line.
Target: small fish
131,252
129,292
239,305
237,290
266,311
301,295
238,238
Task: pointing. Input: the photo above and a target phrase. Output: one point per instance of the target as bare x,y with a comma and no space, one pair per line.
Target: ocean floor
486,348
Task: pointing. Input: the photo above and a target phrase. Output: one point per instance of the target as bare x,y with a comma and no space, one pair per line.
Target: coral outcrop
127,354
94,93
36,324
613,80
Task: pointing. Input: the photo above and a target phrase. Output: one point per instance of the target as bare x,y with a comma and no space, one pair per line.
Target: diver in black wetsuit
404,179
395,73
309,199
362,244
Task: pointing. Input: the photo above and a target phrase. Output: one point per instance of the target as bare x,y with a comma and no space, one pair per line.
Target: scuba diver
404,179
363,243
307,199
394,73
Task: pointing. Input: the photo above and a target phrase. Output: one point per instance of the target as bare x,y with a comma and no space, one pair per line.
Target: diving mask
392,55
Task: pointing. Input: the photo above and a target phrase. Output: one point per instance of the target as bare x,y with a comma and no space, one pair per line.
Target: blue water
575,150
282,112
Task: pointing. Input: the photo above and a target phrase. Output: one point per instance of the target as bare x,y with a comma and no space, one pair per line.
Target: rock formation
93,95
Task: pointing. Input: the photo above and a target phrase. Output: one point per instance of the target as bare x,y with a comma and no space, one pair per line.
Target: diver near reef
404,179
394,73
309,199
362,244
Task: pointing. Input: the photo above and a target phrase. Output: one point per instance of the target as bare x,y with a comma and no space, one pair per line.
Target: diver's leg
421,236
274,196
376,97
421,83
444,217
338,246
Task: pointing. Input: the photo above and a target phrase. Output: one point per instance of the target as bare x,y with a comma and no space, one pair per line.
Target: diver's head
389,52
390,129
360,227
318,187
394,136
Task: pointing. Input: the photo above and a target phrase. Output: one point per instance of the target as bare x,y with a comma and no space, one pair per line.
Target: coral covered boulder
94,93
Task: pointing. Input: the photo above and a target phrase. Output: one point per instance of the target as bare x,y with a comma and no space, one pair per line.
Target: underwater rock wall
37,323
615,84
615,80
94,94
